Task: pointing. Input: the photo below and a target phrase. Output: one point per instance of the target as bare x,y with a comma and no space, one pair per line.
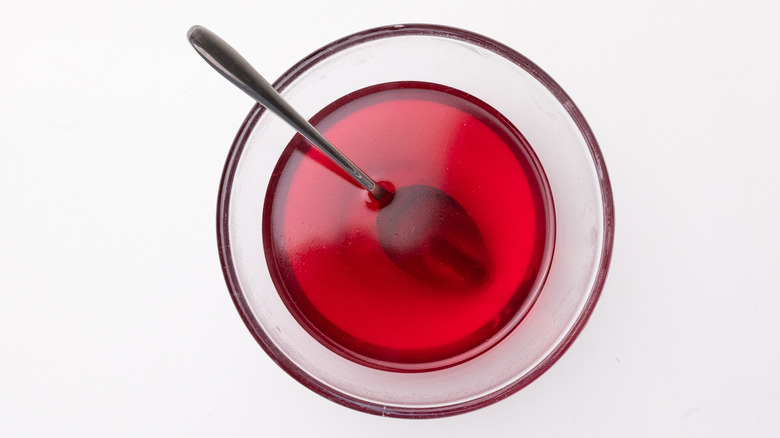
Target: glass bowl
566,151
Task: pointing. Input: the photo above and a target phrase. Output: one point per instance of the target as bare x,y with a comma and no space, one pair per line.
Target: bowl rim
231,277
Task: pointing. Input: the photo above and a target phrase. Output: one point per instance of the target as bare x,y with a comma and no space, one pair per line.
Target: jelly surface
321,240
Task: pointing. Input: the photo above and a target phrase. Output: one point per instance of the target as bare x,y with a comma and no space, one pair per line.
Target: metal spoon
422,230
228,62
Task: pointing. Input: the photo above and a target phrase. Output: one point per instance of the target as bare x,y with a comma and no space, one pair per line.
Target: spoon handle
230,64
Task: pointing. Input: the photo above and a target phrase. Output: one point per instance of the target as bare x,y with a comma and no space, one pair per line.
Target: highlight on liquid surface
320,228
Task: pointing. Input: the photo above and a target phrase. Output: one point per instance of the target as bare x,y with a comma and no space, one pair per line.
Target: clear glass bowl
565,147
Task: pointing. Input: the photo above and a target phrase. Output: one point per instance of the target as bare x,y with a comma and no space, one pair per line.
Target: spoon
423,230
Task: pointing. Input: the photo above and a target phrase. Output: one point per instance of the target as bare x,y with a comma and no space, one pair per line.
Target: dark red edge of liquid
372,356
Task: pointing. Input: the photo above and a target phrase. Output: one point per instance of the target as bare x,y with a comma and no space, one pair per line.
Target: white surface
114,317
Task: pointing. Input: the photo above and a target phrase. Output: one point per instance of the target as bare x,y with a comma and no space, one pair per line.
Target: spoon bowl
431,236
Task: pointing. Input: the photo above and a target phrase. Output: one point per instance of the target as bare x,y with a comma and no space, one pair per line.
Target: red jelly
321,239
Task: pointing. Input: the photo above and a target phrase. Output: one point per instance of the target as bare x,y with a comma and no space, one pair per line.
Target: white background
114,316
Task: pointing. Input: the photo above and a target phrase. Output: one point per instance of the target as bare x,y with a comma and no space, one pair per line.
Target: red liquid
320,228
